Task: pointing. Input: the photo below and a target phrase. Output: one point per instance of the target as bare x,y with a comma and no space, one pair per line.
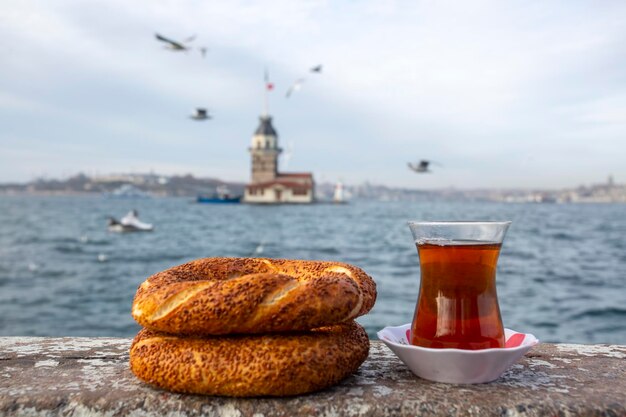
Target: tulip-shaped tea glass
457,306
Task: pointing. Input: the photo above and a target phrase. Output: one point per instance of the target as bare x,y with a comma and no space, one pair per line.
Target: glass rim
458,223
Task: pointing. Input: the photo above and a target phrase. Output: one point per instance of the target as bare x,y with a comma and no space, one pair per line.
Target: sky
527,94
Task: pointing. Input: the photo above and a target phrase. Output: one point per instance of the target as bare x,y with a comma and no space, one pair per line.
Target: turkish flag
268,84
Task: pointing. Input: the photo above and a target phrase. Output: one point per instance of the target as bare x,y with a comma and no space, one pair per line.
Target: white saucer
457,366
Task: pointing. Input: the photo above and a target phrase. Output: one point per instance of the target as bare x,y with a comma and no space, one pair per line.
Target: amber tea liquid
457,305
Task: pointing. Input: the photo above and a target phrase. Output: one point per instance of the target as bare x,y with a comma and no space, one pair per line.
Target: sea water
561,273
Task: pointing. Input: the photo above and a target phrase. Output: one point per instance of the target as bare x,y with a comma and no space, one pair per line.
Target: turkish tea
457,304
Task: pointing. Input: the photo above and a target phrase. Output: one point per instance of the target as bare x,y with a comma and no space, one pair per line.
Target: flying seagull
297,85
175,45
182,45
200,114
287,154
422,167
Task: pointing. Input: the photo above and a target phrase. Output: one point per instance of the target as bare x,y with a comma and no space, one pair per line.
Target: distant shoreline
433,197
154,185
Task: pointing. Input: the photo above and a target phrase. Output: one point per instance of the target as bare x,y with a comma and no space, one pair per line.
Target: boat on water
208,199
222,195
128,224
339,196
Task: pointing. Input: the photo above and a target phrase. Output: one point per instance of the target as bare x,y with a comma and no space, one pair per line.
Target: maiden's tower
268,185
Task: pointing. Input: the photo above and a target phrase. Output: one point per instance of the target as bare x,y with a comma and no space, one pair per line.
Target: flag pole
266,92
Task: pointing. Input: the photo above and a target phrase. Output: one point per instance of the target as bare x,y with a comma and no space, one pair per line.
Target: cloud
478,86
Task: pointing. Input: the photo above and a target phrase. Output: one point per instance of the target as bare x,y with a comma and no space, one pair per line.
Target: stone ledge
90,377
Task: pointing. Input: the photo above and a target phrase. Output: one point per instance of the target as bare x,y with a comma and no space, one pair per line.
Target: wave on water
69,248
563,236
560,272
147,258
608,313
95,242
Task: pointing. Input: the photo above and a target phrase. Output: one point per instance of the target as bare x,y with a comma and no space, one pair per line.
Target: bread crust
249,365
217,296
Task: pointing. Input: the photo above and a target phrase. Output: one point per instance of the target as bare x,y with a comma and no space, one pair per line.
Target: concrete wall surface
90,377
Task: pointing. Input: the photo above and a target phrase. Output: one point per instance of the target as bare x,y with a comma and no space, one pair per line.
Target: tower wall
264,164
264,152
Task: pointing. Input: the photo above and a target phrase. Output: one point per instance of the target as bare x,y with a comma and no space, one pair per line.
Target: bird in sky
297,85
200,114
422,167
181,45
175,45
287,154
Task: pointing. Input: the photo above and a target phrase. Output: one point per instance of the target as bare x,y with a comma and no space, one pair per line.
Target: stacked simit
251,326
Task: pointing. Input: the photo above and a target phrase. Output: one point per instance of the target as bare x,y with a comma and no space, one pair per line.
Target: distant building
267,184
